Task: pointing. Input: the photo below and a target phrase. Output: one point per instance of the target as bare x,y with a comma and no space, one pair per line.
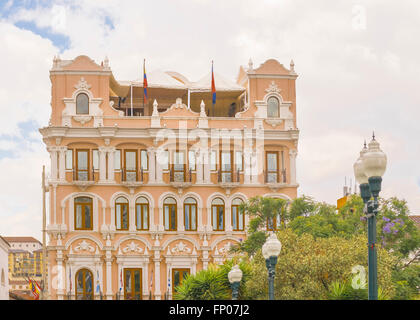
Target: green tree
261,210
308,265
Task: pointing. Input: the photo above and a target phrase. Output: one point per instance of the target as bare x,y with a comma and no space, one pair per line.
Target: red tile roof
2,238
416,220
21,239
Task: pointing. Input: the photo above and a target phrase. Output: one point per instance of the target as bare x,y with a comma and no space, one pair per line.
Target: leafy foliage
213,283
207,284
407,282
308,265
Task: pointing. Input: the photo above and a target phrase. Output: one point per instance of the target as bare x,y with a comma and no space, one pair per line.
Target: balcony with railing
180,178
84,178
132,178
275,180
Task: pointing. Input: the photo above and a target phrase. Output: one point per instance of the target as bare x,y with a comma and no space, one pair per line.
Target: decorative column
254,167
111,155
156,259
152,162
247,166
62,163
53,155
292,155
228,222
206,161
158,169
180,220
199,167
108,260
102,163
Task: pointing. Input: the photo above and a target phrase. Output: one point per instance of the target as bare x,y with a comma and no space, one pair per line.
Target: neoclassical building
144,190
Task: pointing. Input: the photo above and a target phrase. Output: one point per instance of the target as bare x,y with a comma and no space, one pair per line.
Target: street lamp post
270,250
235,277
368,170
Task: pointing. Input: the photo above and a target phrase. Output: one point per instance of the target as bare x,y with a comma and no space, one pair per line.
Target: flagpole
44,292
212,76
144,70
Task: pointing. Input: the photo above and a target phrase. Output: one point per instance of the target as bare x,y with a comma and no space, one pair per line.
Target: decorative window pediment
82,106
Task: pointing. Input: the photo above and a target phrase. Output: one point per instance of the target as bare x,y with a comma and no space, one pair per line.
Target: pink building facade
145,191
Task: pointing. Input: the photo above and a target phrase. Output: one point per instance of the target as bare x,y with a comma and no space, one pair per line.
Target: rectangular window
142,216
117,160
95,159
130,165
178,166
164,160
226,166
272,167
144,160
191,160
239,161
237,218
69,159
213,160
82,165
218,212
170,217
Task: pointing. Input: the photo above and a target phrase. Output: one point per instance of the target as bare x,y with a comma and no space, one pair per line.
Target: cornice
272,76
136,133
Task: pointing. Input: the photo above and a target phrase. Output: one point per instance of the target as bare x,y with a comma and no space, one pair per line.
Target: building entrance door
132,284
84,285
178,275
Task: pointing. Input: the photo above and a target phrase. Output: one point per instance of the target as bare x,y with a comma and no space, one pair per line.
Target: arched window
238,219
218,214
190,214
83,219
142,213
82,104
84,285
273,107
121,213
170,214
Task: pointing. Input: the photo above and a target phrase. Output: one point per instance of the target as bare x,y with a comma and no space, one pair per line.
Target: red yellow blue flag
213,87
144,82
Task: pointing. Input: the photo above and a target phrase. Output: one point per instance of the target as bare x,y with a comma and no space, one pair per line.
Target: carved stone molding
84,246
132,247
180,247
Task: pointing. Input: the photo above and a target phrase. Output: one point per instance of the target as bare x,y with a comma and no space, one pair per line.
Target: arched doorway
84,285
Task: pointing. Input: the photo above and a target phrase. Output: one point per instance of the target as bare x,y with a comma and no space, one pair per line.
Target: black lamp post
235,277
368,170
270,250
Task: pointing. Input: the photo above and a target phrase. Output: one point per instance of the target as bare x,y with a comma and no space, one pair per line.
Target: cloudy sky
358,65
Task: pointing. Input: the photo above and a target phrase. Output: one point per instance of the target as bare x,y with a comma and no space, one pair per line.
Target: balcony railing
132,176
79,175
228,177
275,177
180,176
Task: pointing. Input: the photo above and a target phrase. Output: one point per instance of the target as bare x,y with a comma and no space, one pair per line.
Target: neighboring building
4,279
25,260
143,192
